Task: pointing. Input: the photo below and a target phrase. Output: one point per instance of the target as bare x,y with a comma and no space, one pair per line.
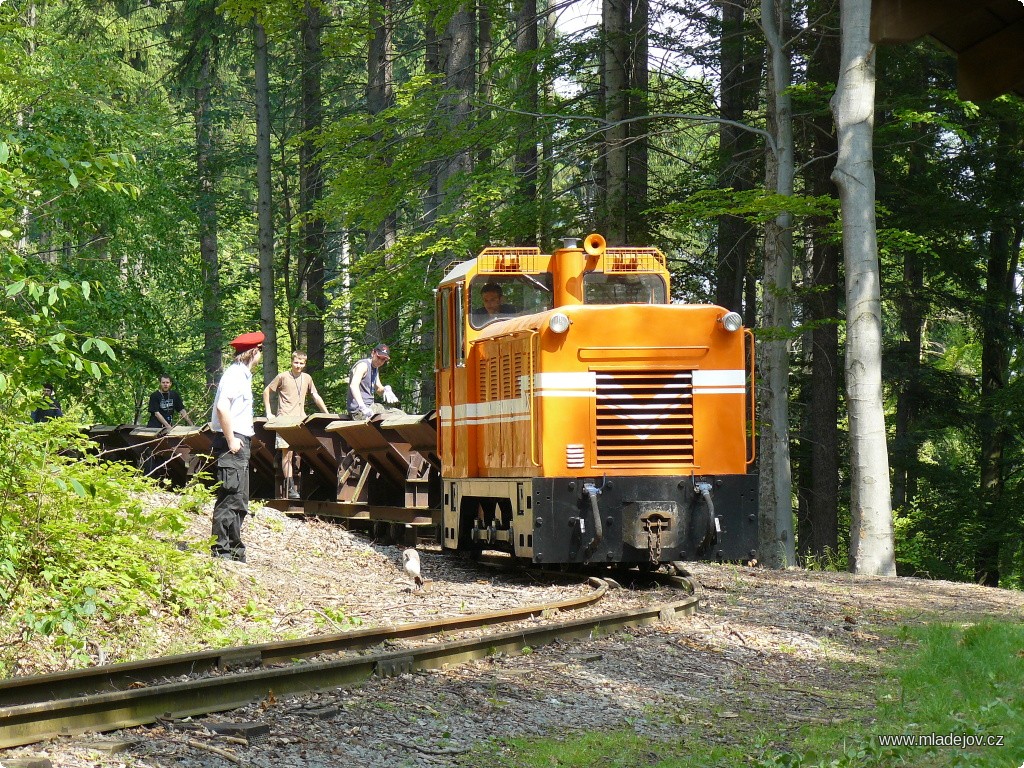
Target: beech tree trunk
853,107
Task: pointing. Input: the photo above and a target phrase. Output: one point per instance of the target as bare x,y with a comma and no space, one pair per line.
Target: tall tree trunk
460,73
485,48
311,261
776,504
207,204
545,206
906,360
853,107
615,90
637,228
996,343
995,364
741,59
432,58
905,446
379,97
732,258
264,212
23,121
821,535
526,159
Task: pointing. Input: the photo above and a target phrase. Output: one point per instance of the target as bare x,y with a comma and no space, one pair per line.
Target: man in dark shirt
52,410
164,403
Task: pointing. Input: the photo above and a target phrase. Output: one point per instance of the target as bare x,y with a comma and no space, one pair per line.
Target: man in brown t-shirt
292,387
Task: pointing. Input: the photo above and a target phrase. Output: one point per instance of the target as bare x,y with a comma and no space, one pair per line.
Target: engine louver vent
644,417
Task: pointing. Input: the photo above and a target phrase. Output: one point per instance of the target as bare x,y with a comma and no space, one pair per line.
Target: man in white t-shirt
233,430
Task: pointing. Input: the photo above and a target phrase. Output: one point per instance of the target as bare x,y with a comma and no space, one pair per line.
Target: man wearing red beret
233,431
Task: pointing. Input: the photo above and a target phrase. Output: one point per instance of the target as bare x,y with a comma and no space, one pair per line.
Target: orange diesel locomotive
583,419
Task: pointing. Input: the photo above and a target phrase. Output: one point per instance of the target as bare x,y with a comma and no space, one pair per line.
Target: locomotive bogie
488,514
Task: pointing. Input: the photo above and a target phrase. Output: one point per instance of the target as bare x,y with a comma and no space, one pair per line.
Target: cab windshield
599,288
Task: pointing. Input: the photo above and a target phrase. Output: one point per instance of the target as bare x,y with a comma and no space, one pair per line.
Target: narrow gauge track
103,699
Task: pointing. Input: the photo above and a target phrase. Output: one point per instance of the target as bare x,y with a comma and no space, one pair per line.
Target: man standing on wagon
233,430
292,387
164,403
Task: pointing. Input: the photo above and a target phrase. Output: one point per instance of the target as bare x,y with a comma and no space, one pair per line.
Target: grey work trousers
232,503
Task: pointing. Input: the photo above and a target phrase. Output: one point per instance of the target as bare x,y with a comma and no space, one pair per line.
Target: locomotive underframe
600,520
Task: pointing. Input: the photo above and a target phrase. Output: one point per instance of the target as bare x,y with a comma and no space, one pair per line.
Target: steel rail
34,722
115,677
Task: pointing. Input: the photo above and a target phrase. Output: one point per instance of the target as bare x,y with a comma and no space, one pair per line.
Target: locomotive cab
583,419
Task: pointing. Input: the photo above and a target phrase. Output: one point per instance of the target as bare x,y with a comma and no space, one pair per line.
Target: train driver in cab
493,307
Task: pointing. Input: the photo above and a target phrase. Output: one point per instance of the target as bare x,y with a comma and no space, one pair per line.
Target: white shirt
235,389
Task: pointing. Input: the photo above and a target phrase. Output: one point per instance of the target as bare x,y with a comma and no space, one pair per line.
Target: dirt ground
767,650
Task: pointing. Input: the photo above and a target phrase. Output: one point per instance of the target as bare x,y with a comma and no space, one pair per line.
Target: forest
173,173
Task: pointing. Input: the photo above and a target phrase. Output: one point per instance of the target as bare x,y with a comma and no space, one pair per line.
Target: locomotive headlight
732,322
558,323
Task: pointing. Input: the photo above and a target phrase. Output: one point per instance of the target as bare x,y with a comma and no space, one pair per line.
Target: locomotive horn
594,244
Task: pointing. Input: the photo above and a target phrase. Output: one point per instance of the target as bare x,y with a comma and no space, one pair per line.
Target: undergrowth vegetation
956,700
953,699
89,566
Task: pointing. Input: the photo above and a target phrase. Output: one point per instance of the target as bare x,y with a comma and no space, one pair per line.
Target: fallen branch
215,750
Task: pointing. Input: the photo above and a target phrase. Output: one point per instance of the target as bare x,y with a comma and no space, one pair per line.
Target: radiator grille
644,417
